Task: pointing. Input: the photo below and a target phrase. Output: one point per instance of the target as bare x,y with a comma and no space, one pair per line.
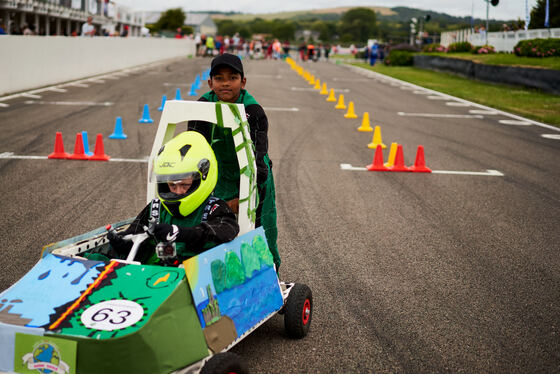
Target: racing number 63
112,315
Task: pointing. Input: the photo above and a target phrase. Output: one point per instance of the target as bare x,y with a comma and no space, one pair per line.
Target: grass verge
505,59
525,102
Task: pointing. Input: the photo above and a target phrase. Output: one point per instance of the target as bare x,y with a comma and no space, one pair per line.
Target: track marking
2,105
488,172
438,115
434,97
454,103
282,109
75,103
420,92
551,136
23,157
56,89
83,85
514,122
484,111
31,96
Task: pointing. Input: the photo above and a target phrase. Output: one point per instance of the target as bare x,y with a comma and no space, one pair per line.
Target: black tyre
298,311
224,363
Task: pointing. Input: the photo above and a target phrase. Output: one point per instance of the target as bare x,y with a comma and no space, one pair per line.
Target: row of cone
396,161
79,149
396,158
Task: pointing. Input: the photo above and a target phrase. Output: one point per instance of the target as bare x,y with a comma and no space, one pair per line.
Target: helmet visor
177,186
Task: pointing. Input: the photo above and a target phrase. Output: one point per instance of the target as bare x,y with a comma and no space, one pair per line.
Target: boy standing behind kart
227,83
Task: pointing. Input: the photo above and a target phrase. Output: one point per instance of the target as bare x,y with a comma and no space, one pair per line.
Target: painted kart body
73,315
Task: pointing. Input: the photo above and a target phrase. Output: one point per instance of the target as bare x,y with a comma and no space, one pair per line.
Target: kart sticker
112,315
42,354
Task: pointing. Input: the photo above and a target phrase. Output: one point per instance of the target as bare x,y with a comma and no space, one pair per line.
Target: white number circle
112,315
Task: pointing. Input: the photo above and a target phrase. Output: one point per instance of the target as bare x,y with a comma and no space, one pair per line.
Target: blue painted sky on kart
506,10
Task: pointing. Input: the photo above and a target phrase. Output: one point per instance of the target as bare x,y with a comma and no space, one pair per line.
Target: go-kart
71,314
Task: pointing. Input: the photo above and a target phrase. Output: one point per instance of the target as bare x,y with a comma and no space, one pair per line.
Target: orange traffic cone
99,154
377,164
58,148
350,113
340,104
420,163
331,96
376,139
79,153
399,161
324,90
365,123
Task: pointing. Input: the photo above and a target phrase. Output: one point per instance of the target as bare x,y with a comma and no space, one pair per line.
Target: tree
538,14
283,30
359,24
227,27
171,19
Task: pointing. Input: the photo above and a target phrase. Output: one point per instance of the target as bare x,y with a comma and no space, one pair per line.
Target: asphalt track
410,272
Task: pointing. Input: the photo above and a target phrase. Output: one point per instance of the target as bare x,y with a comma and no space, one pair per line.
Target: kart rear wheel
224,363
298,311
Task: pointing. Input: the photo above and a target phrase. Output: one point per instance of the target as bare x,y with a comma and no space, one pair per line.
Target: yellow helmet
186,160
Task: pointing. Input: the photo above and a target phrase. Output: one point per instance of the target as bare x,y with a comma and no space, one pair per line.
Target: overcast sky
506,9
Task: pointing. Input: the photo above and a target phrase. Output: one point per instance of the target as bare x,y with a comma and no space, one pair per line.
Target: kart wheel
224,363
298,311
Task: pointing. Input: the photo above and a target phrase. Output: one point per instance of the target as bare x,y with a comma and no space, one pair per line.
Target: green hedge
399,58
538,47
459,47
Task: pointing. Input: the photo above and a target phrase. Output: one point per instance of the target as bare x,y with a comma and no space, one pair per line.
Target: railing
502,41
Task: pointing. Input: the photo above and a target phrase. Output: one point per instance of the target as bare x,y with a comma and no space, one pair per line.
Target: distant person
210,45
373,54
179,33
124,33
87,28
327,51
2,29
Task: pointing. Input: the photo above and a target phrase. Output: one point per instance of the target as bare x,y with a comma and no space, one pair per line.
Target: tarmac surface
410,272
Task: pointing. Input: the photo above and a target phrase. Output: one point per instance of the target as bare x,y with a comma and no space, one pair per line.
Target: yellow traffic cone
331,96
350,113
365,123
324,89
312,80
317,85
340,104
392,154
376,139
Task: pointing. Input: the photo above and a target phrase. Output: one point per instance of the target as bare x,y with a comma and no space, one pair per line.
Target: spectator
327,51
179,33
28,30
124,34
87,28
2,29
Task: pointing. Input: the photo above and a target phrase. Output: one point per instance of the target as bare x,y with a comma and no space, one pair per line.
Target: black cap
229,60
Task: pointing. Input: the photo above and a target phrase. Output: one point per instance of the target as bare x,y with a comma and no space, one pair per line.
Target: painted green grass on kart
525,102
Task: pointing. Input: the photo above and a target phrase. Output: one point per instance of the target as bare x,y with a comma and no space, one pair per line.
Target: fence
502,41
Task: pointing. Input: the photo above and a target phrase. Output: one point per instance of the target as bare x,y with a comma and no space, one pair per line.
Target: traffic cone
146,115
99,150
376,139
58,148
365,123
178,94
340,104
392,153
317,85
87,152
324,90
331,96
163,100
350,113
399,161
420,163
197,83
78,149
118,132
312,79
192,91
377,164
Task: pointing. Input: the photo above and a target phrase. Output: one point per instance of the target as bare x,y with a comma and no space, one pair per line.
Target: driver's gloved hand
166,233
117,242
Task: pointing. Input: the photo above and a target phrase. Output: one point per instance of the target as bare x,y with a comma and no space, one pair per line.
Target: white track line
488,172
440,115
71,103
551,136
